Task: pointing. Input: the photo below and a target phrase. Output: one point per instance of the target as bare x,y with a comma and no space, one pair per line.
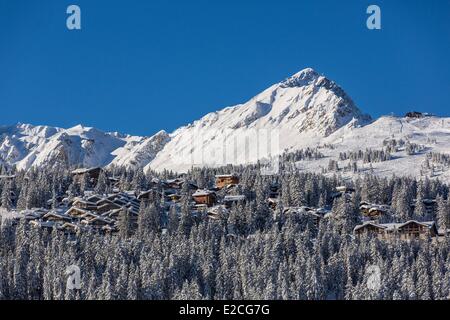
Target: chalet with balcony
404,231
371,228
226,180
97,221
373,211
57,217
205,197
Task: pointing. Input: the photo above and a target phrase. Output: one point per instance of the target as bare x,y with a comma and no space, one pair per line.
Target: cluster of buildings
404,231
407,230
91,212
372,214
100,212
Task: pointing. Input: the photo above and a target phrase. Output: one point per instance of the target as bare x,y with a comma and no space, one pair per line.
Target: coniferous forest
251,250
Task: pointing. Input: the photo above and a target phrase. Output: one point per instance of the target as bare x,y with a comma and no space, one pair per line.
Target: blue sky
141,66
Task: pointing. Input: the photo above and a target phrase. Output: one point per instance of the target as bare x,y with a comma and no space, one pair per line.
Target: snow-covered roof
85,170
428,224
378,208
344,189
316,212
234,198
232,175
175,181
83,201
394,226
200,193
217,211
57,214
370,223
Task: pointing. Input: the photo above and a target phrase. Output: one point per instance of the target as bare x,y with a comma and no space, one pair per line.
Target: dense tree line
252,252
439,158
367,156
289,258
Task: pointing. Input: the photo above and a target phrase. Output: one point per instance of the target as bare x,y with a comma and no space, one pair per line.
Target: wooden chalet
84,204
100,206
57,217
178,183
226,180
404,231
373,211
76,213
97,222
417,230
174,183
315,214
217,212
204,197
71,228
371,228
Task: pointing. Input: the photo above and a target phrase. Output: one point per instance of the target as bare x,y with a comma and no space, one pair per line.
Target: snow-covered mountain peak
301,78
304,110
305,105
140,154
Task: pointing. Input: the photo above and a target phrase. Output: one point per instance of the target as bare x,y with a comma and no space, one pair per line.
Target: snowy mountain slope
141,154
303,107
305,110
29,146
432,134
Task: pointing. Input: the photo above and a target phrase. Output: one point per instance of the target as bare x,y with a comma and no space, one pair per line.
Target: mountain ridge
304,110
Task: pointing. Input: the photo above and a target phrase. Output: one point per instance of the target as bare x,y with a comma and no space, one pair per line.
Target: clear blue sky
140,66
